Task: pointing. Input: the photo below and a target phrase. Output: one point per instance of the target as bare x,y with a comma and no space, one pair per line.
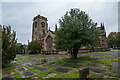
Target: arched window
43,24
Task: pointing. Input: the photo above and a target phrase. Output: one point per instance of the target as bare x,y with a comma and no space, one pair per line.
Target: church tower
103,39
40,28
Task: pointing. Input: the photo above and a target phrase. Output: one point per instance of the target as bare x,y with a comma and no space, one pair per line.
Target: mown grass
17,75
106,62
114,75
94,76
82,60
71,74
41,74
8,68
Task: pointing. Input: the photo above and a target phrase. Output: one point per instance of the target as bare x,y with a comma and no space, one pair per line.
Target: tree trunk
92,48
74,53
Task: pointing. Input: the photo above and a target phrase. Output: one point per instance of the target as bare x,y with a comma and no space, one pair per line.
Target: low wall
49,52
95,49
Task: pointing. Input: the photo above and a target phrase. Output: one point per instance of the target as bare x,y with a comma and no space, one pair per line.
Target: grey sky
20,14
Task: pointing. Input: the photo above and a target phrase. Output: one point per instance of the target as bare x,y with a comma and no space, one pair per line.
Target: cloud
20,14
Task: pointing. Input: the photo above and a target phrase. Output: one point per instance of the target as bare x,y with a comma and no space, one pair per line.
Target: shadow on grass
83,60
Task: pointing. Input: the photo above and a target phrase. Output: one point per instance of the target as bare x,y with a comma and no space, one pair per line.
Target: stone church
41,32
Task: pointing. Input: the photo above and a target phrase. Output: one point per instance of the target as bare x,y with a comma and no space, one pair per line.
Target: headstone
83,73
49,66
96,65
7,72
115,72
8,78
27,73
72,66
98,70
31,66
62,70
41,69
21,69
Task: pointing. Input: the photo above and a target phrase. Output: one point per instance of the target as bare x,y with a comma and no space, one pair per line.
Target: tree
75,31
8,45
0,47
35,46
94,34
19,48
114,39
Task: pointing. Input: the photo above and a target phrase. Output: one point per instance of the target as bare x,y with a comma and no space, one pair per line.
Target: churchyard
102,65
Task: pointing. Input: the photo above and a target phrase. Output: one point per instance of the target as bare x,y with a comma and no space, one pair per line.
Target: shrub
34,47
8,45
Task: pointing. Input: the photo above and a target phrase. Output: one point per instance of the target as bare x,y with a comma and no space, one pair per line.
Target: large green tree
8,45
34,47
114,39
76,30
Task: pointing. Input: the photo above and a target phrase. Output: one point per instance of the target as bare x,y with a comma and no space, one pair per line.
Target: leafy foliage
35,47
19,48
114,39
76,30
0,46
8,45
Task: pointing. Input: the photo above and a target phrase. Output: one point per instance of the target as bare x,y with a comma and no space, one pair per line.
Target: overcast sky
20,15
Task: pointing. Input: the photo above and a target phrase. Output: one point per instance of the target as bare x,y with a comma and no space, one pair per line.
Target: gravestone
50,66
115,65
83,73
10,77
27,73
41,69
115,72
70,65
98,70
62,70
7,72
31,66
96,65
21,69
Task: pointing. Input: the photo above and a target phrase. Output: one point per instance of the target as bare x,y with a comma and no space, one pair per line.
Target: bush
19,48
34,47
8,45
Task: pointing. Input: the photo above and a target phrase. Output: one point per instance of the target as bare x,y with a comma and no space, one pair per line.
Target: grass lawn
61,61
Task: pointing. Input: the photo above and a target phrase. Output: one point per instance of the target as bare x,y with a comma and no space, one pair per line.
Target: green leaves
35,46
75,30
8,45
114,39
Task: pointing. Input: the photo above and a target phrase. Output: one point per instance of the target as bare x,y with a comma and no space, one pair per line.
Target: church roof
52,31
